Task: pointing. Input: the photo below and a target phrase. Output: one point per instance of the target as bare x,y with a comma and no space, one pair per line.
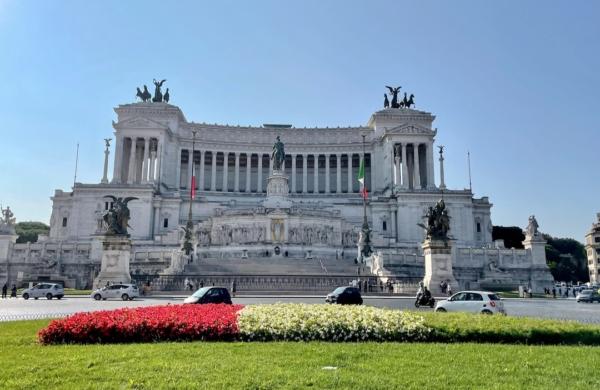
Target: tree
566,259
29,231
512,235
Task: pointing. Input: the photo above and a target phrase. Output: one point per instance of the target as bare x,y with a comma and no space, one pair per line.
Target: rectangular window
166,223
64,222
478,227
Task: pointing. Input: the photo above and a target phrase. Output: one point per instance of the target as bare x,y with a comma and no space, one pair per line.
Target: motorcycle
424,300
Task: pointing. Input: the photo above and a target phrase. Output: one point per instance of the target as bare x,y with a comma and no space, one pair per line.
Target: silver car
124,291
48,290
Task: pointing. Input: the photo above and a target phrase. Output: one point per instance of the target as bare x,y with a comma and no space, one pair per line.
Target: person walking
449,289
13,291
233,288
4,291
554,292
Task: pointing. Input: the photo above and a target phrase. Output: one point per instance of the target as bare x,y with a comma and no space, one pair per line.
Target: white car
47,290
485,302
124,291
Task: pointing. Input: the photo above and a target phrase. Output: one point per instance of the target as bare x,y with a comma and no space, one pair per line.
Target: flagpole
365,241
76,163
365,222
189,227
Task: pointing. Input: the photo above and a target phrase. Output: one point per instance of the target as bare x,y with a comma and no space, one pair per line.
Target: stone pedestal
438,265
277,191
116,252
540,276
537,246
6,243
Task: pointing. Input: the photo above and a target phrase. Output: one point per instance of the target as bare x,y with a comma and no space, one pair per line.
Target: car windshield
493,297
586,292
338,290
200,293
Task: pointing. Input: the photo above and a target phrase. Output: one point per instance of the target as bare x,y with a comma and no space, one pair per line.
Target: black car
345,296
210,295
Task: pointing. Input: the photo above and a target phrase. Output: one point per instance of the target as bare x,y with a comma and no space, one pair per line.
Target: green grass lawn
201,365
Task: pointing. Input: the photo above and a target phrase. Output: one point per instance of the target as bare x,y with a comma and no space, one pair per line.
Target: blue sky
515,82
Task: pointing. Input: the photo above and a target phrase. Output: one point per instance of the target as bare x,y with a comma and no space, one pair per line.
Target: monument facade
592,248
271,201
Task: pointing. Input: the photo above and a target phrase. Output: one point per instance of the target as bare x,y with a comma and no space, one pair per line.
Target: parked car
590,296
48,290
345,296
126,292
484,302
210,295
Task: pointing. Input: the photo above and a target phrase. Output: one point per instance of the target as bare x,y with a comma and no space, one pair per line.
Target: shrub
301,322
145,324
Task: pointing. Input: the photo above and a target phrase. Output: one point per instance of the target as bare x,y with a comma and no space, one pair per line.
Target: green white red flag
361,179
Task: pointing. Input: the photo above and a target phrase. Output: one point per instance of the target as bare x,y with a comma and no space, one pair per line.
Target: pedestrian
449,289
554,292
567,292
530,292
233,287
4,291
201,283
13,291
574,293
560,291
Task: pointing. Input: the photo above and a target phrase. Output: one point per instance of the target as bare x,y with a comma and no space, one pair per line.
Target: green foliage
512,235
466,327
24,364
566,259
29,231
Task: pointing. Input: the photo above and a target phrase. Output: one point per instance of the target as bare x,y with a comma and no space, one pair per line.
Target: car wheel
125,297
440,310
486,312
97,297
131,298
48,296
25,296
59,296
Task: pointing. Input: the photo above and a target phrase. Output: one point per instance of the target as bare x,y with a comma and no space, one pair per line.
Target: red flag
193,188
364,192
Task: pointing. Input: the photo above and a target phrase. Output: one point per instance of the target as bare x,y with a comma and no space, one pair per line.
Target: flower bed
301,322
145,324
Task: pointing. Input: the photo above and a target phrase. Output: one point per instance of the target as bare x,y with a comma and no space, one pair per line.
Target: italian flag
361,179
193,188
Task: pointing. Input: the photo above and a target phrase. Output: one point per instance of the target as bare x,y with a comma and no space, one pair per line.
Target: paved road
20,309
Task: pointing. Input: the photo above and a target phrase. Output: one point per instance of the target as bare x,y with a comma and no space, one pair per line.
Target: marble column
159,152
178,170
316,174
338,173
417,173
248,171
293,173
397,175
349,173
236,180
430,170
213,171
442,184
404,158
270,166
151,174
327,183
190,165
132,153
225,171
304,174
118,166
145,160
259,179
201,176
105,171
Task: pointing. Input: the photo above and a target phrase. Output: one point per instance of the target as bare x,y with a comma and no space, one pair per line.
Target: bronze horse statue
145,95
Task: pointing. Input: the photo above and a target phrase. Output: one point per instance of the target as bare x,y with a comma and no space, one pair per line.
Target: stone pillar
338,173
316,174
178,170
540,276
349,173
248,171
145,162
293,173
438,264
132,153
105,172
404,158
327,183
213,172
118,165
152,175
417,172
260,172
442,184
236,180
201,178
430,170
397,176
304,173
159,152
114,268
225,171
270,166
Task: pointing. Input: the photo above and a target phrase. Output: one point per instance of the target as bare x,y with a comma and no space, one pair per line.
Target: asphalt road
20,309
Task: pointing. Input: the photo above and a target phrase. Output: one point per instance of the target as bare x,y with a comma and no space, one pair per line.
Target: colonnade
413,165
137,160
247,172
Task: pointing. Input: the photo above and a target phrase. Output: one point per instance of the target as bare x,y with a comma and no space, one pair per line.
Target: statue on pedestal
117,217
158,96
278,155
394,92
7,221
438,222
532,227
145,95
